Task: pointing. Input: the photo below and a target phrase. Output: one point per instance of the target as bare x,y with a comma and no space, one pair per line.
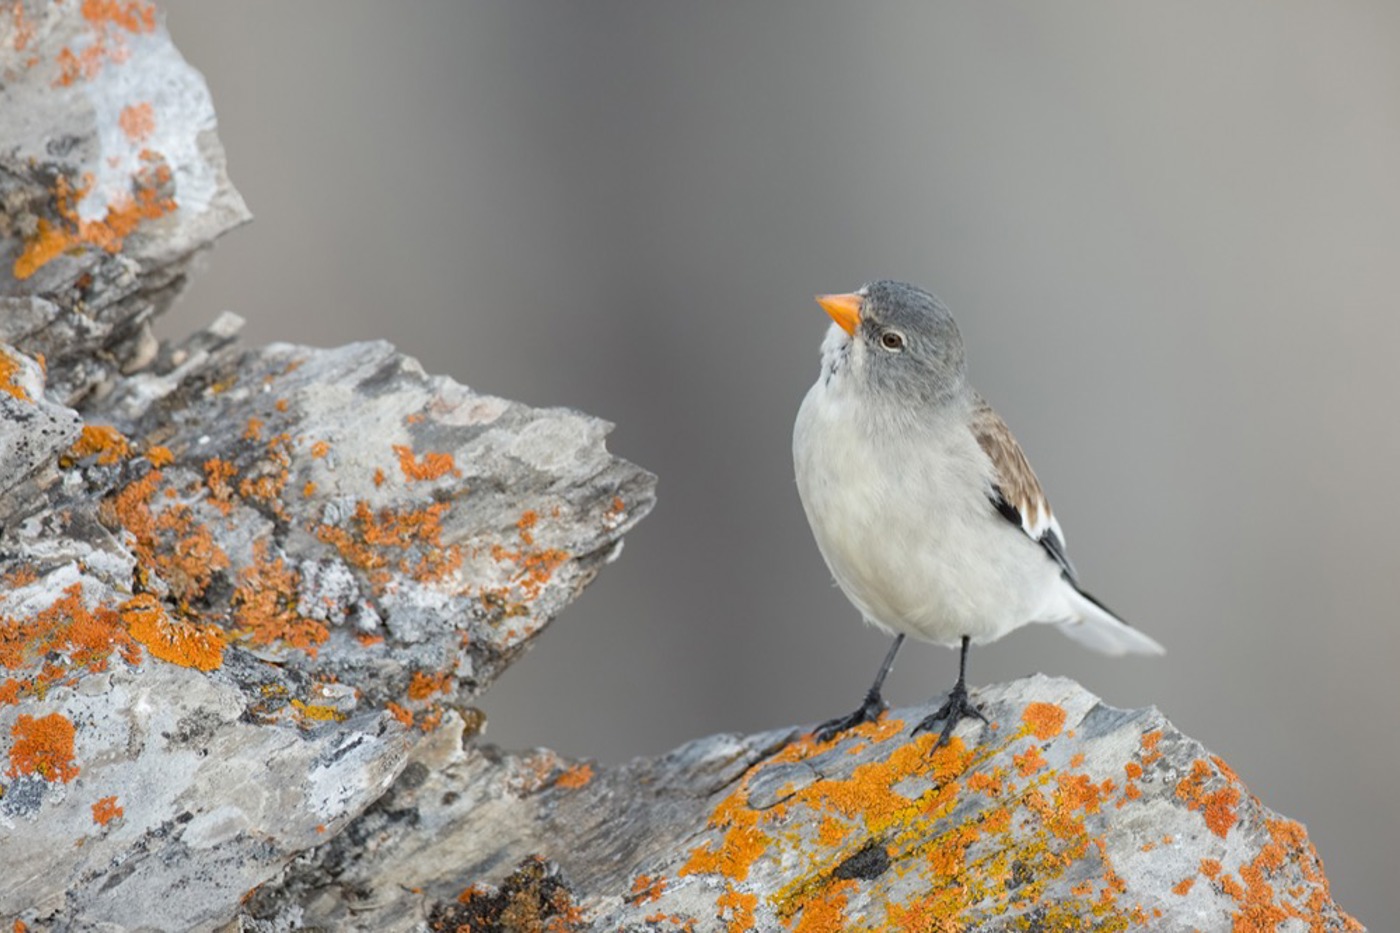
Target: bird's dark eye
892,341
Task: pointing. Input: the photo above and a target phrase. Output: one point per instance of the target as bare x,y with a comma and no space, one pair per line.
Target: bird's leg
957,707
870,709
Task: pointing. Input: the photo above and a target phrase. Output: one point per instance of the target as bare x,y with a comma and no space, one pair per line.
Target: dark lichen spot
413,776
1020,874
535,897
870,862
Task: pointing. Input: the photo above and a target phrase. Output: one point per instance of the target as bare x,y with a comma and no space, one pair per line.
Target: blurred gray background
1171,234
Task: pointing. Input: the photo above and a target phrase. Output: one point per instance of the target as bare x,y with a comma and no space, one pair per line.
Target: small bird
922,503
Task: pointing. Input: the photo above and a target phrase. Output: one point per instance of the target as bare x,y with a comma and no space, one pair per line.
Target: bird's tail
1098,628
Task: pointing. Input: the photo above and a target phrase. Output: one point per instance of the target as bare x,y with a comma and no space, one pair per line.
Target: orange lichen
43,746
252,431
265,605
60,644
104,441
138,121
1217,807
131,15
826,913
218,475
174,543
1149,747
740,907
320,449
742,845
1029,761
577,776
124,213
534,567
106,810
528,520
646,889
1044,720
429,467
308,490
187,644
423,685
379,477
9,369
160,456
392,538
1183,887
401,714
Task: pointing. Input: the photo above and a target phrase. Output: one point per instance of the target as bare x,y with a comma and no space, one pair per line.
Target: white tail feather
1097,628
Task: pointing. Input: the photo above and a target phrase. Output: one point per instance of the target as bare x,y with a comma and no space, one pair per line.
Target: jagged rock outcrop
1064,814
247,596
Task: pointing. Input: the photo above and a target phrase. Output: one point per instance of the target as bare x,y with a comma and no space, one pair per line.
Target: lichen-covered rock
1065,815
238,587
254,588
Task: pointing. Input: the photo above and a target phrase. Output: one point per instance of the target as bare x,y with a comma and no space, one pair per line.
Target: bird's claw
955,709
869,711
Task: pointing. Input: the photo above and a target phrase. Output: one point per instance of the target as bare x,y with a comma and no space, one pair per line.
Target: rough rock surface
246,596
1065,814
237,587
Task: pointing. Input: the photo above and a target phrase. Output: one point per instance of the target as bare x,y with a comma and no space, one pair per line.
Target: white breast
899,509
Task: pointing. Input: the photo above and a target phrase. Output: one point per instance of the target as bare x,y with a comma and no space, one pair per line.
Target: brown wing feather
1014,477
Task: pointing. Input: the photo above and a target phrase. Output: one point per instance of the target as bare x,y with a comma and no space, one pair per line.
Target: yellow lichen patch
1044,720
265,605
577,776
124,214
103,441
187,644
9,369
60,644
318,712
430,466
106,810
43,746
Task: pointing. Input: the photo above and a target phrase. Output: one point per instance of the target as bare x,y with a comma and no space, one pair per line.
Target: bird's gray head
896,340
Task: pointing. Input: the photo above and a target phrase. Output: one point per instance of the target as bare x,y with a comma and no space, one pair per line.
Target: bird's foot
957,708
869,711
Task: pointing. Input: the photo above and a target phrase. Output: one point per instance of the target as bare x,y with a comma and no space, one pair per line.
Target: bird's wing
1015,491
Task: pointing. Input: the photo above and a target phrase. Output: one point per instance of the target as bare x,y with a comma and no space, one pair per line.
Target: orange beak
844,310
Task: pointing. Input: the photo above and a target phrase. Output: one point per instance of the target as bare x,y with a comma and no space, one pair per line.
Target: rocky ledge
248,596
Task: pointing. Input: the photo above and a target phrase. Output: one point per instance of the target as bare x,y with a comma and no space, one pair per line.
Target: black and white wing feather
1017,495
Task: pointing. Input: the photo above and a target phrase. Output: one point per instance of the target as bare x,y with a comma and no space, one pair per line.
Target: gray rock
1064,814
239,586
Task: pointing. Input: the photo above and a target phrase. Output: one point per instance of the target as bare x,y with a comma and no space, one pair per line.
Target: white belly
902,518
